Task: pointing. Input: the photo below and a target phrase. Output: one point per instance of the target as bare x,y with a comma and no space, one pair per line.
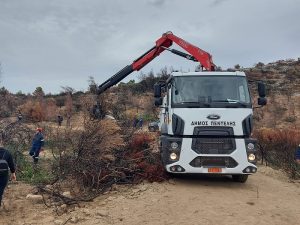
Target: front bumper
233,163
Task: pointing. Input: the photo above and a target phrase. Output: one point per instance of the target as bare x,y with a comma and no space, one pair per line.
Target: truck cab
206,123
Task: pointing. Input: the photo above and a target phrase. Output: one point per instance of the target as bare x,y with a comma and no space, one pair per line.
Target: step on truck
205,117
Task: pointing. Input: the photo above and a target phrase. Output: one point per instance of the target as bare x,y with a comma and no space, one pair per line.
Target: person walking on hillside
37,144
59,120
140,123
6,164
135,122
297,155
20,117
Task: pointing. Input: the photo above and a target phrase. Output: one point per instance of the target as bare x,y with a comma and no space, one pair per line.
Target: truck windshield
210,91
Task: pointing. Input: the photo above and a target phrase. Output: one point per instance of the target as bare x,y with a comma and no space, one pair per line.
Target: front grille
213,140
213,145
203,161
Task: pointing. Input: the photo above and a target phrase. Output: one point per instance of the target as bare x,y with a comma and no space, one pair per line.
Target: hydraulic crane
206,117
163,43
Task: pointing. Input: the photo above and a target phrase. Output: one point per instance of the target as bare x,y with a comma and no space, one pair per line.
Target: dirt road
267,198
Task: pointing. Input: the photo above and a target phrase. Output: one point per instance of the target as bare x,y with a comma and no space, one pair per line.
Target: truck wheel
241,178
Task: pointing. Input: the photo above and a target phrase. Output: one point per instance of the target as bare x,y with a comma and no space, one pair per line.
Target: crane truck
206,117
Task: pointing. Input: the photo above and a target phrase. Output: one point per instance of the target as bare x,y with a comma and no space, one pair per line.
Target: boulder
58,222
86,211
102,213
74,219
35,198
67,194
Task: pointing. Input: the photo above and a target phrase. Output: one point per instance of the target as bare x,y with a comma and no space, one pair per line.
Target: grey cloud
157,2
218,2
57,42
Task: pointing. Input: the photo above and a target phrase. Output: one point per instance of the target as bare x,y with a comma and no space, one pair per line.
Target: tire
151,129
240,178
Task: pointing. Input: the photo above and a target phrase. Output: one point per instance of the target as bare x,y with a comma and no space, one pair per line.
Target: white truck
206,117
206,123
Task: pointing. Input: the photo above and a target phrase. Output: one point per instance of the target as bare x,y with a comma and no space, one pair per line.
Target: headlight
250,146
174,145
173,156
251,157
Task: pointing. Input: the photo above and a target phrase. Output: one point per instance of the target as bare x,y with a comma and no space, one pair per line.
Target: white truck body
206,124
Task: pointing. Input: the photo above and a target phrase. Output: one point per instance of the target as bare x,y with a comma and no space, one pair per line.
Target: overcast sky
63,42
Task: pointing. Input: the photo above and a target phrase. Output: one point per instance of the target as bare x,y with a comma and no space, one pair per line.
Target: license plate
215,170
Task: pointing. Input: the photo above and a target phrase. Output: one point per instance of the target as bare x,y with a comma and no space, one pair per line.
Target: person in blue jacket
297,155
140,123
37,144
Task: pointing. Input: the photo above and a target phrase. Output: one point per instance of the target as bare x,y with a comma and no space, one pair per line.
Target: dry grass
277,148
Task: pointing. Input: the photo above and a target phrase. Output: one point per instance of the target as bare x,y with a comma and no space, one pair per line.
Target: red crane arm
166,41
201,56
163,43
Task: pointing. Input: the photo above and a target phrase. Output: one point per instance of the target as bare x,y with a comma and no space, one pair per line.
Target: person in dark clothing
6,164
97,111
20,116
135,121
297,155
140,123
37,144
59,120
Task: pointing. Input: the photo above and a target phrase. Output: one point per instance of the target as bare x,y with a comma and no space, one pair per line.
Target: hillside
283,92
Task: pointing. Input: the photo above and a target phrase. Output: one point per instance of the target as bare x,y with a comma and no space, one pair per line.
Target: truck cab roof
210,73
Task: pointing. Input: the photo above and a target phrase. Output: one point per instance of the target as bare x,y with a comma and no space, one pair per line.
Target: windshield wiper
206,104
232,101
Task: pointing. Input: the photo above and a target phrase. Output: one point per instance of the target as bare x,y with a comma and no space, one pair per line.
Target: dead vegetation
85,160
277,148
16,136
89,160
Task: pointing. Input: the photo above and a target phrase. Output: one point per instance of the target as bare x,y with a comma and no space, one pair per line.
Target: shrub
277,147
102,153
33,110
38,110
290,119
16,137
34,174
149,117
140,141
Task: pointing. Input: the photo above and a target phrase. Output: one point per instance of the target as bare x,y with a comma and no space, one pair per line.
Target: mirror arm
164,107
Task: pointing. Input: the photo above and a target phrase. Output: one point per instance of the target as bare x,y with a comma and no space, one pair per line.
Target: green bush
26,170
34,174
149,117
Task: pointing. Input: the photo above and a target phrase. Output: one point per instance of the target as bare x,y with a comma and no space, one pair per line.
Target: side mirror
261,101
157,91
261,88
158,101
